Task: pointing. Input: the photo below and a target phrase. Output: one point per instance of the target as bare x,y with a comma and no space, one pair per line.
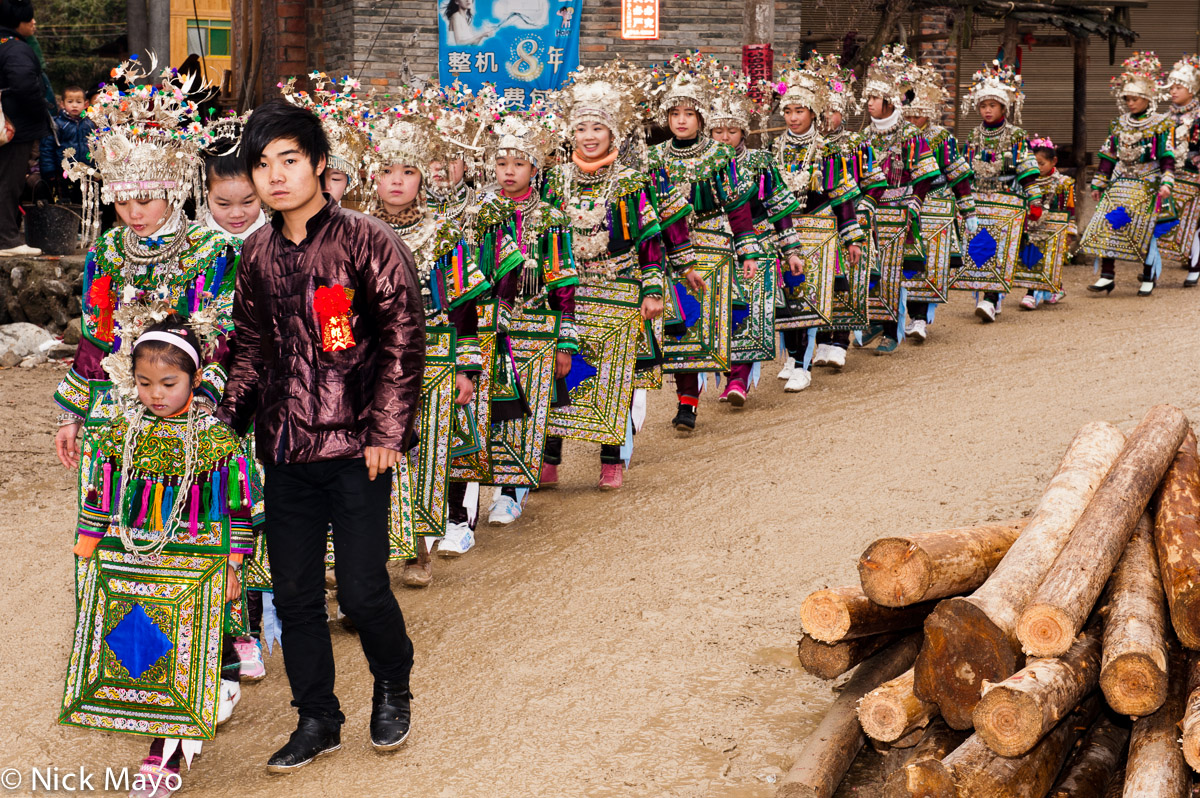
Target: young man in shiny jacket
329,353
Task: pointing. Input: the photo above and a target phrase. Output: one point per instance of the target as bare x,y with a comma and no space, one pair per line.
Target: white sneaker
228,697
800,380
837,358
789,366
504,510
916,331
457,541
986,311
20,251
821,355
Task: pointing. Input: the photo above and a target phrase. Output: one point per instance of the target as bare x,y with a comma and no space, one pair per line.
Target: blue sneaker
504,510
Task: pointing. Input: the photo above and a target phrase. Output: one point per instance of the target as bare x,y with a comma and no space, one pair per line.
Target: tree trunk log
1156,767
1191,716
831,660
1053,618
938,740
979,772
968,640
1133,674
891,711
845,613
900,571
1177,538
1095,761
1116,786
821,762
1013,715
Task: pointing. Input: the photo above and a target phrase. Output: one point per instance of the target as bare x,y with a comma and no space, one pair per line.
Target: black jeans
14,166
552,453
302,500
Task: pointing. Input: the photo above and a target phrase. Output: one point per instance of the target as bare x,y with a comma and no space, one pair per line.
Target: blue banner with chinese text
524,47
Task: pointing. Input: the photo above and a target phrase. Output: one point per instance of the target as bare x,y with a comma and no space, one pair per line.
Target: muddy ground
640,643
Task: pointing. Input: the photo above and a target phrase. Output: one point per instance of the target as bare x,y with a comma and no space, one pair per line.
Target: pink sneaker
249,651
549,476
736,393
611,476
155,781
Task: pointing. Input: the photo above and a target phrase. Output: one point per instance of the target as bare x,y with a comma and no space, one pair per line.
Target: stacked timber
1054,655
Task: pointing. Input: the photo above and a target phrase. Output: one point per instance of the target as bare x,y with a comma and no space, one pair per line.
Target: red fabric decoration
100,297
1035,212
332,305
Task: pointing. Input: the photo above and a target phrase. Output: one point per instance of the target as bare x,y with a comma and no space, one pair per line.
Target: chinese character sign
524,47
639,19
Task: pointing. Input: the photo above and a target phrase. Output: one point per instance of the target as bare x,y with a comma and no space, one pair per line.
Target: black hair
454,6
279,119
1049,152
166,353
224,162
74,88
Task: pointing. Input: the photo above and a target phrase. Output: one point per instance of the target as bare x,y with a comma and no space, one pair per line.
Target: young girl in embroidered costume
1183,87
822,174
910,170
924,110
1134,181
402,147
722,230
622,236
520,147
167,511
772,205
1058,194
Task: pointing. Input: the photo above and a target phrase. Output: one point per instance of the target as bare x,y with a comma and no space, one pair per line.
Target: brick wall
943,55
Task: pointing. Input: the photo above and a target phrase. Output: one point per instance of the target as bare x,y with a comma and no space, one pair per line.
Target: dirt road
642,643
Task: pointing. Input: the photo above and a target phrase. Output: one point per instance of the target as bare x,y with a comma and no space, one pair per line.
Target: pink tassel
199,293
194,510
245,481
762,186
105,493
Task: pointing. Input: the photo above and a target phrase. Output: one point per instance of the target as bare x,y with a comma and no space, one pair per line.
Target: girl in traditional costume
622,238
822,171
999,155
909,169
1135,180
705,173
520,147
1183,87
1058,196
168,504
772,206
402,147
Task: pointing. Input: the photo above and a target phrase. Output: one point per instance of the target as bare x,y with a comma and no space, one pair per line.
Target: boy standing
328,366
72,129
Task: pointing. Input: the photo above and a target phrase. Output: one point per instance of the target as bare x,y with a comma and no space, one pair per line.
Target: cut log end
1134,685
1008,721
1045,631
895,572
928,778
963,647
825,616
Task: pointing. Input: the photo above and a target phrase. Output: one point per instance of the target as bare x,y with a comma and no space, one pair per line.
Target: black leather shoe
685,420
391,716
311,738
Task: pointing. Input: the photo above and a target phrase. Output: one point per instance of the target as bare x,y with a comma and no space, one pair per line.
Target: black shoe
1105,284
1191,280
1147,287
685,420
390,716
311,738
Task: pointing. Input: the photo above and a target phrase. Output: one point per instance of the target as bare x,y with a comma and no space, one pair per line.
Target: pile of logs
1055,655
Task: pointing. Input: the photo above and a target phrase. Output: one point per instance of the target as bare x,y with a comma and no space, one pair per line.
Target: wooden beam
1079,109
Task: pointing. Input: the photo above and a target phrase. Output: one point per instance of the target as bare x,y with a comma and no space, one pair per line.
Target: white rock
20,340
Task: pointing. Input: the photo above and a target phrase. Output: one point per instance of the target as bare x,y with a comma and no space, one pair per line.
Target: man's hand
66,443
562,363
379,460
749,269
854,254
465,389
652,308
694,281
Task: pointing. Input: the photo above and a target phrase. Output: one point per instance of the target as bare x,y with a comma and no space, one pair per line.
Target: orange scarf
589,167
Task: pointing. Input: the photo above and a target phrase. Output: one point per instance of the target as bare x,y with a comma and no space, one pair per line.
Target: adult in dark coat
24,103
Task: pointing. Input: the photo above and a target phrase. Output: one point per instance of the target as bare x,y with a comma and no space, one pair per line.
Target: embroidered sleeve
468,354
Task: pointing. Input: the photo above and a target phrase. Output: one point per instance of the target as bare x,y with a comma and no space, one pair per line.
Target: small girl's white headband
172,339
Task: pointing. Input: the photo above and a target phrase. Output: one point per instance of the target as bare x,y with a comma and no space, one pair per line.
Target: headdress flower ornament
614,94
999,82
342,114
397,137
889,75
1186,73
799,84
929,93
835,84
146,144
1140,78
687,82
531,135
734,104
1041,142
